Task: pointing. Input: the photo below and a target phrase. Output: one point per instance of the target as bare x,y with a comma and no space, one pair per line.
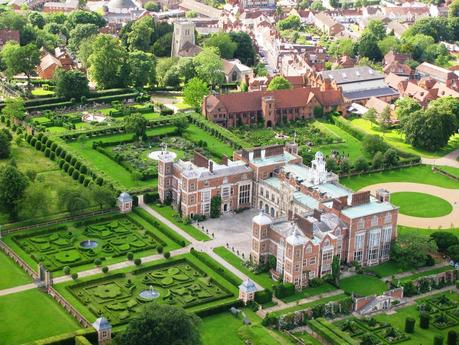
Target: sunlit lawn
11,274
363,285
421,204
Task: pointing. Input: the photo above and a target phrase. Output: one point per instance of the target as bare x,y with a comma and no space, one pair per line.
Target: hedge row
80,340
284,290
263,297
89,334
332,334
230,277
162,228
224,307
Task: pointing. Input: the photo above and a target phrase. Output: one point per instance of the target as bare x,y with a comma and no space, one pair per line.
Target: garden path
449,160
450,195
17,289
419,270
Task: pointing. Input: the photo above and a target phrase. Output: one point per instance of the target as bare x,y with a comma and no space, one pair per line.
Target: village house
7,35
440,74
67,6
327,24
235,71
49,63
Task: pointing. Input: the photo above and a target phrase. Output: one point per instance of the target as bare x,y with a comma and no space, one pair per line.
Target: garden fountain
149,294
156,154
87,117
88,244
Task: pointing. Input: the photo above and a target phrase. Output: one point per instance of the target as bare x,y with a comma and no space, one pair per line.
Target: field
12,275
32,315
421,204
65,245
417,174
363,285
182,281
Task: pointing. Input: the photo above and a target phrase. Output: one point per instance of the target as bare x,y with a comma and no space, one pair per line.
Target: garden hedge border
68,338
331,333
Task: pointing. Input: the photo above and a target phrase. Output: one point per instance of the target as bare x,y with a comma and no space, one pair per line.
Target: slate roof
352,75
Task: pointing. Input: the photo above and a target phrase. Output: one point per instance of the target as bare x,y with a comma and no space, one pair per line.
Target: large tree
142,68
20,59
223,42
79,33
84,17
141,33
209,66
136,123
162,47
13,184
245,50
70,84
377,28
368,47
279,83
404,107
444,240
14,107
104,196
108,62
194,92
411,250
161,324
73,201
35,203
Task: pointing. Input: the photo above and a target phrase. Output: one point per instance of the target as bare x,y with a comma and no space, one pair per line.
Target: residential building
327,24
235,71
7,35
257,4
440,74
67,6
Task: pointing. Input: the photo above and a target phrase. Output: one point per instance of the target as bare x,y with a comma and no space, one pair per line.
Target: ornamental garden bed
182,281
76,244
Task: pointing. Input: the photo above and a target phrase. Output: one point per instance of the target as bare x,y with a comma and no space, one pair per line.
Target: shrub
130,255
159,249
99,181
38,145
75,175
263,297
167,255
86,181
81,178
105,269
409,325
66,270
52,156
47,152
138,262
424,320
71,170
284,290
452,338
97,262
74,276
438,340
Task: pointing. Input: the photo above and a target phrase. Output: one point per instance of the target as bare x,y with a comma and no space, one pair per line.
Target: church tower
183,33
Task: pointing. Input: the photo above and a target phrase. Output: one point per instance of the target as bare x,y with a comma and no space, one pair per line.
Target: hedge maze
114,236
179,282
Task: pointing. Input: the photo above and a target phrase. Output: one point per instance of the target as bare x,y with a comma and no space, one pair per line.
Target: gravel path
450,195
449,160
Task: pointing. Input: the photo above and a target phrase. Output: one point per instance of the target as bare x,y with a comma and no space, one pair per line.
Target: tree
279,83
181,125
14,108
13,184
343,46
161,324
453,252
336,269
389,43
35,202
317,6
71,83
37,19
80,33
194,92
215,206
411,250
384,118
368,47
209,66
186,68
20,59
361,164
377,28
152,6
104,196
374,143
84,17
223,42
163,67
73,200
107,62
377,161
453,9
142,68
162,47
245,50
292,22
5,145
260,70
370,115
444,240
404,107
136,123
390,158
141,33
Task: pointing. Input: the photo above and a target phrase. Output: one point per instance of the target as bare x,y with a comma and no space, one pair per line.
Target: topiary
66,270
97,262
452,338
159,249
438,340
105,269
167,255
409,325
75,175
424,320
74,276
138,262
130,255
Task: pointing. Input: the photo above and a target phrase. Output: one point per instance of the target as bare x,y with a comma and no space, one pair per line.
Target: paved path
419,270
17,289
450,195
449,160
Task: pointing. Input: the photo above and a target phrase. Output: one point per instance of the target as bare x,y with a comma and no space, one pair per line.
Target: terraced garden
82,244
182,281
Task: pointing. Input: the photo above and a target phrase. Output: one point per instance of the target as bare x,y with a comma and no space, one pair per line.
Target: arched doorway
272,212
266,209
269,124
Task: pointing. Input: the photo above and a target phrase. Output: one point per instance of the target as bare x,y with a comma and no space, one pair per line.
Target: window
205,196
297,267
192,199
261,190
361,224
388,218
244,194
327,257
373,240
312,275
206,183
387,234
312,261
267,194
225,191
192,187
374,220
309,249
327,243
359,238
205,208
255,231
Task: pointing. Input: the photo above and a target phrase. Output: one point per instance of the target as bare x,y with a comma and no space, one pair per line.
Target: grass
308,339
39,91
309,292
420,204
224,328
263,279
363,285
386,269
308,305
12,275
170,214
396,139
418,174
216,147
426,273
450,170
424,232
32,315
420,336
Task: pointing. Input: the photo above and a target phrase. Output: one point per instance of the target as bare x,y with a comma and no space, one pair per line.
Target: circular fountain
149,294
88,117
88,244
155,155
281,136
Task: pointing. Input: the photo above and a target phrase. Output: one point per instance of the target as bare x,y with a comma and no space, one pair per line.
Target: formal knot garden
94,241
182,281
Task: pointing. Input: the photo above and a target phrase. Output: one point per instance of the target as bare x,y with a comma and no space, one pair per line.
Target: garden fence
24,265
57,221
443,172
68,307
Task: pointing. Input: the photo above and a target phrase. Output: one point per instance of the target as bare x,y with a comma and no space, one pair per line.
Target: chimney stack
211,166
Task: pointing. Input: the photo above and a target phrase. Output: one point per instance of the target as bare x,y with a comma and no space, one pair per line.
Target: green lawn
451,170
169,213
307,338
363,285
308,305
351,146
263,279
386,269
417,174
32,315
426,273
420,336
224,328
39,91
11,274
396,139
424,232
420,204
216,147
309,292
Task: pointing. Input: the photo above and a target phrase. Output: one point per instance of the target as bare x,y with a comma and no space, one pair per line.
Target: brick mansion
306,217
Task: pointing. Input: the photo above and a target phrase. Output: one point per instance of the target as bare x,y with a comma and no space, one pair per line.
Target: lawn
32,315
39,91
63,245
363,285
224,328
170,214
424,232
263,279
396,139
420,204
417,174
183,281
386,269
309,292
309,305
451,170
216,147
11,274
426,273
